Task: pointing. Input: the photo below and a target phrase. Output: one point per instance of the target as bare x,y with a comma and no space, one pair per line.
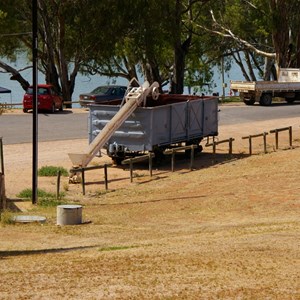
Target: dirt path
18,157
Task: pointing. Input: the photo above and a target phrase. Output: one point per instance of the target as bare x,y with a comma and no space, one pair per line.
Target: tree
12,30
143,50
156,44
68,36
266,29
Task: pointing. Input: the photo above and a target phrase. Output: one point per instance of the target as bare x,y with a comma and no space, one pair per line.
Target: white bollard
69,214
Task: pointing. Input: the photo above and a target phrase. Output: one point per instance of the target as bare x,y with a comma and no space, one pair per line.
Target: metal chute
135,97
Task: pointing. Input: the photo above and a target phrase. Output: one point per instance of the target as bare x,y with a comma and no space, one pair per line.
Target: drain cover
29,219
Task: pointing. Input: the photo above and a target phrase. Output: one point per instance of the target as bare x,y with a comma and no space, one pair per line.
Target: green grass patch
27,194
229,100
116,248
52,171
45,199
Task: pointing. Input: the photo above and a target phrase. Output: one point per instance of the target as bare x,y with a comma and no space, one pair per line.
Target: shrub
45,199
52,171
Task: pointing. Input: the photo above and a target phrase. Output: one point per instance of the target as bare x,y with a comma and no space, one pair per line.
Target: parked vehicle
103,94
48,99
287,86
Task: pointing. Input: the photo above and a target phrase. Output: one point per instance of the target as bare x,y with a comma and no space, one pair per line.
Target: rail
7,105
82,170
276,131
173,151
214,144
250,137
133,160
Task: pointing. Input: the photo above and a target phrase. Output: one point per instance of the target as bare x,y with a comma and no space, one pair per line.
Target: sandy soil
227,230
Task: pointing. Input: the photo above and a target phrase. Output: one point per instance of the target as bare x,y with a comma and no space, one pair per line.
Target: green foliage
163,40
45,199
52,171
230,100
11,23
49,202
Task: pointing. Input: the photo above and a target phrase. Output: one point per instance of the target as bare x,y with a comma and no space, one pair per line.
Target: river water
86,84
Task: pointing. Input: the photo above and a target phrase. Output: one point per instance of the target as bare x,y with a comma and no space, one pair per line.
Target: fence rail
7,105
250,137
214,144
276,131
83,170
131,161
173,151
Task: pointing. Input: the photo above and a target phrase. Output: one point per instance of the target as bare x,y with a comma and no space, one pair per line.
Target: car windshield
40,91
100,90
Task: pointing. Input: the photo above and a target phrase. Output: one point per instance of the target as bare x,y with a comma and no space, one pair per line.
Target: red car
48,99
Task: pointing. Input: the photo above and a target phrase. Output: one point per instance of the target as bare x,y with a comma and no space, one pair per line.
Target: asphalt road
66,125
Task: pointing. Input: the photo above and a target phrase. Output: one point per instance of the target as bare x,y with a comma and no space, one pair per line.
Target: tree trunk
239,62
280,32
15,75
177,85
249,64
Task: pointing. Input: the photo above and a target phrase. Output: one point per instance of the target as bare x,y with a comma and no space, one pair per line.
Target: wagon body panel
163,125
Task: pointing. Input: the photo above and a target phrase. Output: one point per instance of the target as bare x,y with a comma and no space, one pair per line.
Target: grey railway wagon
172,119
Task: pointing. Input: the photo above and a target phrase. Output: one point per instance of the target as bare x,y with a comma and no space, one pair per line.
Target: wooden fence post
291,136
131,170
265,142
105,177
58,184
2,178
150,164
173,161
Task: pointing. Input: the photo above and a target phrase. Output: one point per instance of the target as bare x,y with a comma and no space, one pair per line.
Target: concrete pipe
69,214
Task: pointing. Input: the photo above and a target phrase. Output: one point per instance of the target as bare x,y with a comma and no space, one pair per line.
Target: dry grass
226,231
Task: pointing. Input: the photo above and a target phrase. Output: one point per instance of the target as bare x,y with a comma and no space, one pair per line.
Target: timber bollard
2,181
58,184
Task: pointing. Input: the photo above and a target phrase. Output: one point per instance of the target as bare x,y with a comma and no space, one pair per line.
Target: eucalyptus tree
157,43
69,32
143,50
266,31
12,30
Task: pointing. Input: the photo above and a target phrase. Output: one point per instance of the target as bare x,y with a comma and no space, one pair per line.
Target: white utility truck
287,86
